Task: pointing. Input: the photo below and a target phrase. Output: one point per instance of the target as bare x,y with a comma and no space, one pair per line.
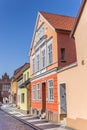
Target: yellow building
25,91
14,90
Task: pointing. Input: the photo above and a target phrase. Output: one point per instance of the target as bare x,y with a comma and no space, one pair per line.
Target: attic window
40,32
62,54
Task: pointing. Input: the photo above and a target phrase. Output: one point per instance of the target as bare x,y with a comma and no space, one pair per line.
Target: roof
78,17
59,21
18,72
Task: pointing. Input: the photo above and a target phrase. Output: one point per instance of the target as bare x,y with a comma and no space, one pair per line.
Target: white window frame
33,92
50,89
50,52
38,62
40,32
38,92
43,49
33,64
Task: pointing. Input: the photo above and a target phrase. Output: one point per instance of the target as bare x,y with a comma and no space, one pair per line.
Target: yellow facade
14,86
14,91
23,105
24,92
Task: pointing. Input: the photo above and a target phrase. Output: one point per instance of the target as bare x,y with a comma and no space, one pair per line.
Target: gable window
40,32
50,90
22,98
50,54
33,65
38,91
33,92
62,54
38,62
43,59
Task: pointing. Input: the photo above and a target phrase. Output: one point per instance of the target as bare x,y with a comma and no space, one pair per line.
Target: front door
43,97
63,105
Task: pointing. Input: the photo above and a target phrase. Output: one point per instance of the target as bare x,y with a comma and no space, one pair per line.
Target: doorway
43,97
63,103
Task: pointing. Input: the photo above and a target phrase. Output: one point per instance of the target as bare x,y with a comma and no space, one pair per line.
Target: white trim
38,100
34,85
32,42
67,67
43,48
44,76
50,42
47,22
50,101
37,19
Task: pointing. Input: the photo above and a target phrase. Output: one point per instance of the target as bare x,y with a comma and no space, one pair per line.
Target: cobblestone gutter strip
69,128
23,121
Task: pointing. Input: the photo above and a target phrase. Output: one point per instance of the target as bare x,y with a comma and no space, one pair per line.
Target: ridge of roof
58,21
56,14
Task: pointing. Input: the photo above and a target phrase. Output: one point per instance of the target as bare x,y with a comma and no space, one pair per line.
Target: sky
17,21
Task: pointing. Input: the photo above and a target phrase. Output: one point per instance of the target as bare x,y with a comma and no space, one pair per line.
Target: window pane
43,58
50,54
63,54
38,62
38,91
50,91
33,65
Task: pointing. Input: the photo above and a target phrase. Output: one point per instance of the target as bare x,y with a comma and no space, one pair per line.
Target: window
24,77
27,75
40,32
33,92
22,98
18,98
33,65
43,59
38,91
50,54
62,54
50,90
38,62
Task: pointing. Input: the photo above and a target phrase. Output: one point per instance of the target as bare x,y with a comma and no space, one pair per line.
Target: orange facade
51,49
52,106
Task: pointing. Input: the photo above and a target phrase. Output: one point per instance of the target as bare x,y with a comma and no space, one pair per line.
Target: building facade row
52,84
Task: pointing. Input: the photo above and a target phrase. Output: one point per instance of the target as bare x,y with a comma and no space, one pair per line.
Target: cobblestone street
12,119
9,123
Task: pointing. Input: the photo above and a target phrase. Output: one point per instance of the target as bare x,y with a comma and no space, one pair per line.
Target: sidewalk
26,118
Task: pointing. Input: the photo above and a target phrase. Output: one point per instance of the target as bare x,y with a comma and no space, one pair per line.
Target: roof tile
59,21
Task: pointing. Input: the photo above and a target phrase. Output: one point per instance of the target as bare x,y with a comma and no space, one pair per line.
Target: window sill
63,60
49,65
51,101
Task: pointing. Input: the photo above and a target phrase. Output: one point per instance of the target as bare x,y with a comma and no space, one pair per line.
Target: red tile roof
59,21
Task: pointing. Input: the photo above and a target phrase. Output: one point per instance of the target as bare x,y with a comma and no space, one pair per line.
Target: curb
23,121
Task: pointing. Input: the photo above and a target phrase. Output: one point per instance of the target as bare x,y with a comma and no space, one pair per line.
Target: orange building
51,49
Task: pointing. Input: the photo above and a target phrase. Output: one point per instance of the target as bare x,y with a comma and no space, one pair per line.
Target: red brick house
51,49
